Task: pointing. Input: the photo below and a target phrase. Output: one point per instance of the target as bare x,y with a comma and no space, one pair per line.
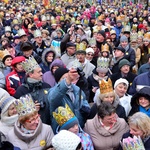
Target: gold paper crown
147,36
4,53
101,17
73,19
106,87
25,105
105,48
133,37
30,64
127,28
140,33
78,22
118,18
61,18
134,27
81,47
63,115
86,21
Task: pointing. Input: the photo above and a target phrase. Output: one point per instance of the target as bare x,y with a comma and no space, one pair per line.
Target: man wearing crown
34,86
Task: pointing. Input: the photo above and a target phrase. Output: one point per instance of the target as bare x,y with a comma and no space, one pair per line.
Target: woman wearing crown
106,128
106,93
29,132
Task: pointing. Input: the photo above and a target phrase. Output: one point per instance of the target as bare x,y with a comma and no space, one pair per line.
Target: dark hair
105,109
79,146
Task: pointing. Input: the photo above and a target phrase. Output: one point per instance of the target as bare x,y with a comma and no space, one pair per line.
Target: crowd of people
74,76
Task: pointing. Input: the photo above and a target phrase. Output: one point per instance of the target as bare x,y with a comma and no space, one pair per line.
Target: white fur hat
89,50
121,80
65,140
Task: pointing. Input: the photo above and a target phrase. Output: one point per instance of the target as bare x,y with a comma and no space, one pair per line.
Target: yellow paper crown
4,53
25,105
81,47
63,115
147,36
105,48
30,64
134,27
133,37
106,87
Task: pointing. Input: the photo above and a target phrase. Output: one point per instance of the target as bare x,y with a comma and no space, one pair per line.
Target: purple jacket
48,76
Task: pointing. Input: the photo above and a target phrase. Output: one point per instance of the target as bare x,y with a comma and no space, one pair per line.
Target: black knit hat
26,46
59,73
102,32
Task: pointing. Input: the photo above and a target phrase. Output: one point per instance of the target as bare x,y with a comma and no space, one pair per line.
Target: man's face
119,24
38,40
37,74
125,69
81,57
27,53
71,50
44,23
24,38
100,38
124,44
118,53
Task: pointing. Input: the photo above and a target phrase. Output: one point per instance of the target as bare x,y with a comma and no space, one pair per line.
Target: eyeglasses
34,119
90,54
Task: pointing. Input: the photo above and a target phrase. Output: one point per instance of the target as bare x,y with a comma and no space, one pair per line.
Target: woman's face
12,110
32,123
8,62
146,42
89,56
121,89
74,129
110,120
134,130
109,98
144,102
50,57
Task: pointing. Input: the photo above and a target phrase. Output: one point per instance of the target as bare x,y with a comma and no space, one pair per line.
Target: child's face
104,54
78,40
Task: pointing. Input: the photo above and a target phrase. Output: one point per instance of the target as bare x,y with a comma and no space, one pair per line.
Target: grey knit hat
123,38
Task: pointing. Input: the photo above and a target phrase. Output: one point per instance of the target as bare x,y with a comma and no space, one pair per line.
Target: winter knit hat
102,32
5,100
65,140
124,62
123,38
59,73
121,80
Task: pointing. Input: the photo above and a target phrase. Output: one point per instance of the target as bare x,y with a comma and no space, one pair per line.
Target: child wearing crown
68,121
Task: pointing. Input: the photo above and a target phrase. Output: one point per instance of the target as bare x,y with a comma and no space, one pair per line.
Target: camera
80,72
76,27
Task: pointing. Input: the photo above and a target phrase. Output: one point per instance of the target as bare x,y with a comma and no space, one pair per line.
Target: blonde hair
23,119
141,121
112,93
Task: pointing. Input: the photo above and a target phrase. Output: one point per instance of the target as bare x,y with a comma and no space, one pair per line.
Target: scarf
126,48
9,121
26,131
142,109
97,78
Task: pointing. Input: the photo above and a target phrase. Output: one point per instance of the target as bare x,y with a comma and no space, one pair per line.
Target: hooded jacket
48,76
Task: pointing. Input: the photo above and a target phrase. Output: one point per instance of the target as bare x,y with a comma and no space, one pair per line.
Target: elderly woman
106,129
140,102
8,112
29,132
139,125
120,88
106,93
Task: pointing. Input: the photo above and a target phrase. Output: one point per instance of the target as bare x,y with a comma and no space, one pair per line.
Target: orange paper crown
105,48
106,87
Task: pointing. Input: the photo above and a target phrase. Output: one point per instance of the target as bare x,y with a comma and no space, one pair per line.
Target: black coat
39,92
130,77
